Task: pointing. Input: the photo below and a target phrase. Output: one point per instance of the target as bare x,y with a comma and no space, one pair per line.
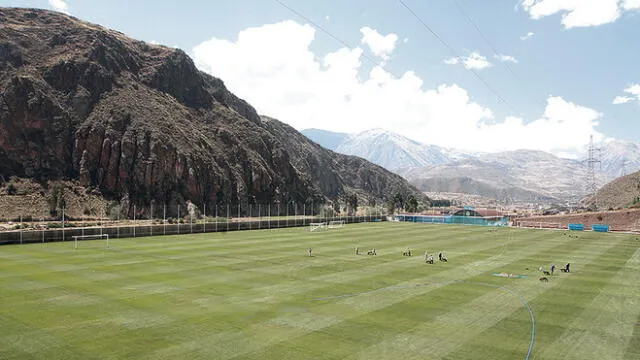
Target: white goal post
314,226
336,224
82,237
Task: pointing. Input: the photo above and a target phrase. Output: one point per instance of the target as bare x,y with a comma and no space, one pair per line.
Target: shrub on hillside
12,189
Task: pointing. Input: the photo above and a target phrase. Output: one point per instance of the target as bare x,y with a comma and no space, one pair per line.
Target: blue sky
582,57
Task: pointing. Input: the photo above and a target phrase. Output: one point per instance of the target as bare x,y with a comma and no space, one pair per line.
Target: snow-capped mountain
619,157
530,174
391,151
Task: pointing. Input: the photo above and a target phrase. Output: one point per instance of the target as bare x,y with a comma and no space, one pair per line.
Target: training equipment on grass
510,276
600,227
576,227
317,226
539,225
336,224
88,237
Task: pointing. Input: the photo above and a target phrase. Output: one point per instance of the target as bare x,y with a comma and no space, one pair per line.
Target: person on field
309,250
553,268
357,251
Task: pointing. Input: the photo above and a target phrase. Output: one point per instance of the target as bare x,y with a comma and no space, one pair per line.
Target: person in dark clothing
553,268
566,268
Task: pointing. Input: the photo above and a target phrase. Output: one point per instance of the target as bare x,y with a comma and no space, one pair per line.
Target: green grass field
257,295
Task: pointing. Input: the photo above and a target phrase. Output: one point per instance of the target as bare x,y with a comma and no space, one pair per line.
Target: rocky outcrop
140,122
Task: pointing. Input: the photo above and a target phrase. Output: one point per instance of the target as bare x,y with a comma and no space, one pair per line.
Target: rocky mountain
139,123
350,173
534,173
619,157
621,192
521,176
466,185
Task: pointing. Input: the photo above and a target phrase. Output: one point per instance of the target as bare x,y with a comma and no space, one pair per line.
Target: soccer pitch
258,295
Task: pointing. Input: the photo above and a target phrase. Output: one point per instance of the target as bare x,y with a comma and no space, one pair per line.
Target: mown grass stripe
605,326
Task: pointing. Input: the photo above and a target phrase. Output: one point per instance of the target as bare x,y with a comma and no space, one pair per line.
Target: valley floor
258,295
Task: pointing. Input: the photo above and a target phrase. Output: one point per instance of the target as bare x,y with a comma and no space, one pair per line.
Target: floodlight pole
164,219
134,220
62,224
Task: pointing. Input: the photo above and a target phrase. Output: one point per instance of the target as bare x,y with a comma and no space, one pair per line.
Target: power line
486,39
367,57
451,49
455,53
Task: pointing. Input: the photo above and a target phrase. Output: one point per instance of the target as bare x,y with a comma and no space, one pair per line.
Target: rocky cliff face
140,122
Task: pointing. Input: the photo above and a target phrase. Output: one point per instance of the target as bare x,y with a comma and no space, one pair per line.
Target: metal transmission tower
593,165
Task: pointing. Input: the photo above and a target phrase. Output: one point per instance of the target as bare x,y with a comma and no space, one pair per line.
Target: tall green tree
411,205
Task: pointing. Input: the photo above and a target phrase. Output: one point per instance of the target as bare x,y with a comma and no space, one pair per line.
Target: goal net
78,238
336,224
317,226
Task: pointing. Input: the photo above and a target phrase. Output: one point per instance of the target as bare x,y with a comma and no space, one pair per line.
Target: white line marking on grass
524,302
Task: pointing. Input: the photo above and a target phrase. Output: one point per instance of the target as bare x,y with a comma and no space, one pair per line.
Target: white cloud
452,61
527,36
580,13
633,90
622,100
380,45
59,5
273,68
327,17
631,4
474,61
506,58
